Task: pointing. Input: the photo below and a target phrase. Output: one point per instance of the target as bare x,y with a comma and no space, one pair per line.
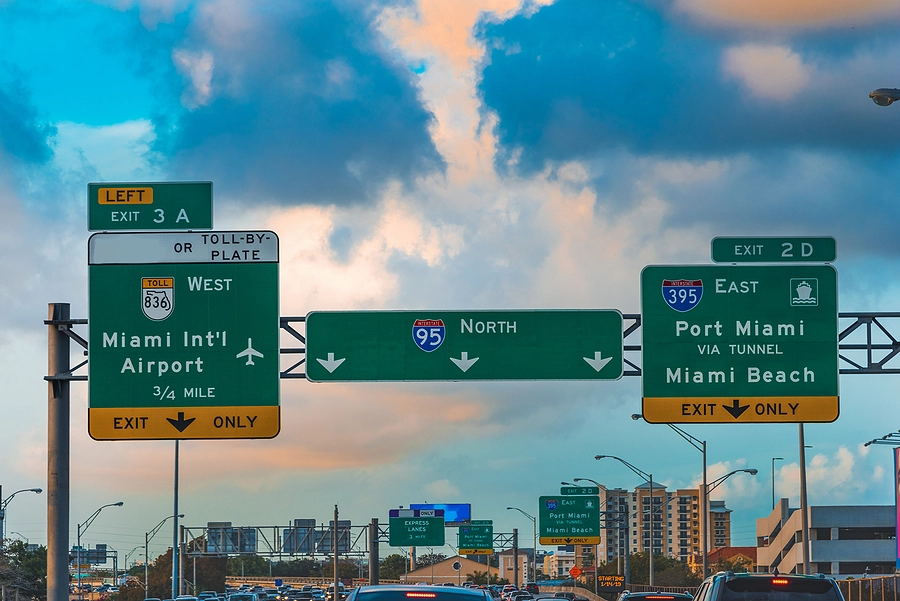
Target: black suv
727,586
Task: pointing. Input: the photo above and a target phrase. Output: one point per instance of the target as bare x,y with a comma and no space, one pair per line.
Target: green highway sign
464,345
150,206
738,344
774,250
183,335
579,490
416,528
476,538
569,520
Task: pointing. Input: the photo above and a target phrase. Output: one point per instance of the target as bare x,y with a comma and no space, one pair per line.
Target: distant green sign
774,250
579,490
476,538
464,345
150,206
737,344
412,528
569,520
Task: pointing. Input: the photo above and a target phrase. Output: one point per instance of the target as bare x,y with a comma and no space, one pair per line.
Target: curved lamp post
5,502
534,553
884,96
700,445
82,527
147,537
649,477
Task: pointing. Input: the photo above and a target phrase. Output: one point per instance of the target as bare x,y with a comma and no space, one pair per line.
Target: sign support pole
516,557
804,507
373,552
58,453
334,548
175,574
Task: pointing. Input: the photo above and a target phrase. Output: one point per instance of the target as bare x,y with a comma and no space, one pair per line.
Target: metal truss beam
868,343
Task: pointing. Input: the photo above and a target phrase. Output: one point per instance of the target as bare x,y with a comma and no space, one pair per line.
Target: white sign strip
183,247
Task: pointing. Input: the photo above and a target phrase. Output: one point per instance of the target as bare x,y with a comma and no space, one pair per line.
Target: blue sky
429,154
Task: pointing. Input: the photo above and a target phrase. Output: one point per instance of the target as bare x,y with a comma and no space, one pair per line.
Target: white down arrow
332,364
464,363
597,362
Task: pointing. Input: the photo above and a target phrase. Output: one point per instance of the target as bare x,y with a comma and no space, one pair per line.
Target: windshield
779,589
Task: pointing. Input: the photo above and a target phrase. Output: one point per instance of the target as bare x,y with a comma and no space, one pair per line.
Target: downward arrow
464,363
181,424
597,363
736,410
331,363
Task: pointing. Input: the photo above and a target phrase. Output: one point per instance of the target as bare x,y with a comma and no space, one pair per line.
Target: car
532,588
243,596
728,586
412,592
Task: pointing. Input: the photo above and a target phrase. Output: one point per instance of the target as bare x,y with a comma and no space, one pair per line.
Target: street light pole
147,537
597,546
700,445
5,502
649,477
82,527
534,551
774,459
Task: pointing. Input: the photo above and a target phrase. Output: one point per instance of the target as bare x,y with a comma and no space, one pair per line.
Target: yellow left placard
125,196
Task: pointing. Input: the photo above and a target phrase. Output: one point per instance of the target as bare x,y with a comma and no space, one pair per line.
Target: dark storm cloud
579,77
22,134
305,106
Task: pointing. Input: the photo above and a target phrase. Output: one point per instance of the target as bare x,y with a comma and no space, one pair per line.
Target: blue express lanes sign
727,344
569,520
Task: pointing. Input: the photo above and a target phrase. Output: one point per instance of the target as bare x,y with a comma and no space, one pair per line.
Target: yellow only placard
185,423
740,410
476,551
570,540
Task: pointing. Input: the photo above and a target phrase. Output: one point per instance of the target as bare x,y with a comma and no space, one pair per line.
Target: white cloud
118,152
793,14
441,489
769,72
197,69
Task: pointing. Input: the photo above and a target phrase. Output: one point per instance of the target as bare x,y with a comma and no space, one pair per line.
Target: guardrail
872,588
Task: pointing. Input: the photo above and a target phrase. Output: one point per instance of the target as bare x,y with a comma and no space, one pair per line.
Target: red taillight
421,595
780,581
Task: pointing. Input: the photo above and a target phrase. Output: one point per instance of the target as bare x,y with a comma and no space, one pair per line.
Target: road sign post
416,528
569,520
464,345
739,344
184,335
476,538
150,206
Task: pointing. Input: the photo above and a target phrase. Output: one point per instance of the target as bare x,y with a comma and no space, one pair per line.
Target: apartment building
676,524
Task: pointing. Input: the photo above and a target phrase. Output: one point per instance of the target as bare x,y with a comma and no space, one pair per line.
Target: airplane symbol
249,352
